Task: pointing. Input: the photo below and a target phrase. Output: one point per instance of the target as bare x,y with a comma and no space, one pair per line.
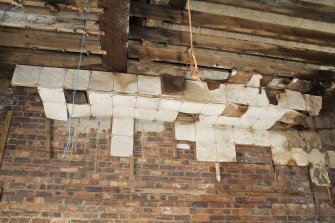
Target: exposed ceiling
281,39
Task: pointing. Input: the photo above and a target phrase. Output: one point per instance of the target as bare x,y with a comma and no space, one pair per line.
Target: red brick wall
91,186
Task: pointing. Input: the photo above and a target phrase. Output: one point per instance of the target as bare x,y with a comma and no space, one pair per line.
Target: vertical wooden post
47,138
131,166
4,135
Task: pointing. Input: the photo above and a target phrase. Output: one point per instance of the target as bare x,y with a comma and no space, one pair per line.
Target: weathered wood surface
4,134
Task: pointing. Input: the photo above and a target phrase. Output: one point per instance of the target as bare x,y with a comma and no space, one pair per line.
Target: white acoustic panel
145,114
122,146
26,76
166,116
78,80
96,98
101,81
149,85
79,110
185,131
57,111
280,155
264,123
256,98
123,112
208,119
224,134
169,105
236,94
242,136
101,110
204,132
217,95
126,83
123,127
206,151
299,156
316,157
125,101
51,95
260,137
191,107
195,90
295,100
213,109
226,152
224,120
147,103
245,123
52,77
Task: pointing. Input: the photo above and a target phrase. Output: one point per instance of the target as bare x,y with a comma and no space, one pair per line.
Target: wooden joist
48,58
232,24
229,44
115,23
47,138
4,134
229,60
36,3
48,22
33,39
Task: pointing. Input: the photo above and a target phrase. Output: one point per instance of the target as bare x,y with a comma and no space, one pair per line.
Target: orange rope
193,61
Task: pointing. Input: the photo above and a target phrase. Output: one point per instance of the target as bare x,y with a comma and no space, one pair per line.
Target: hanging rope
68,144
193,61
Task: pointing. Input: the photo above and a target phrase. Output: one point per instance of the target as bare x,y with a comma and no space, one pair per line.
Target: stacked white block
122,137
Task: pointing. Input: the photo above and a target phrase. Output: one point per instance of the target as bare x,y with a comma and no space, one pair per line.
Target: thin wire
68,144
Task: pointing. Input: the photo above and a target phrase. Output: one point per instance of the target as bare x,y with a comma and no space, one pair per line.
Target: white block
316,157
123,112
231,121
183,146
282,101
278,139
314,104
99,98
57,111
255,81
26,76
169,105
51,95
185,131
125,101
126,83
236,93
122,146
145,114
205,119
166,116
312,140
255,98
123,127
295,100
195,90
330,158
74,81
242,136
191,107
149,85
299,156
101,110
274,113
101,81
245,123
217,95
260,137
147,103
213,109
224,134
52,77
79,110
254,113
204,132
280,155
226,152
206,151
264,123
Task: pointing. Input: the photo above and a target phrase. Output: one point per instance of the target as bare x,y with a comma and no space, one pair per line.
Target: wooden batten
234,110
299,85
293,118
239,77
5,133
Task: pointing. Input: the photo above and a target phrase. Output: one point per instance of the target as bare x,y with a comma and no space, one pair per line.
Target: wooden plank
228,60
47,138
229,44
93,9
36,40
4,135
302,9
48,58
48,22
115,23
232,24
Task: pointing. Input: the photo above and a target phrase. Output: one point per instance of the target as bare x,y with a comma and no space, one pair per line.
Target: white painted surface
125,101
26,76
206,151
149,85
101,81
145,114
147,103
57,111
213,109
52,77
51,95
166,116
74,81
191,107
204,132
226,152
123,127
185,131
122,146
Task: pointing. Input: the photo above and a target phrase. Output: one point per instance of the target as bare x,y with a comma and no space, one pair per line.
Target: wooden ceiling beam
115,23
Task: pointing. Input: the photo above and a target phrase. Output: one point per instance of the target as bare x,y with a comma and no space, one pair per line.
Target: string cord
68,144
